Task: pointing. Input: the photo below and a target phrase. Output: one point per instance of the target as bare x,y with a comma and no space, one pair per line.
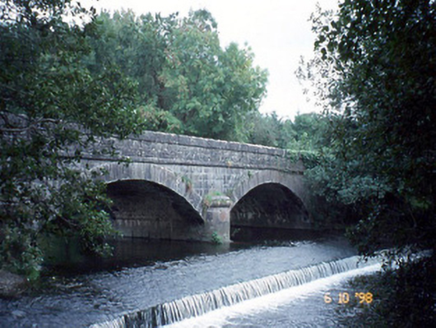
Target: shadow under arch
268,201
152,202
153,173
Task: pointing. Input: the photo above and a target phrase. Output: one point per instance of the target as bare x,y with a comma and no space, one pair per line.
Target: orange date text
345,298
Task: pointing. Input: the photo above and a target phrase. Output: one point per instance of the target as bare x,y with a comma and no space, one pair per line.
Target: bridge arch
150,201
156,174
293,182
269,200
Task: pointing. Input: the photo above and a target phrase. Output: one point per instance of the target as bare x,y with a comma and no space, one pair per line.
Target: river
147,284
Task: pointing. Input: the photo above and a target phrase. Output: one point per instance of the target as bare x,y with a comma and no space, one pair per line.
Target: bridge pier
217,216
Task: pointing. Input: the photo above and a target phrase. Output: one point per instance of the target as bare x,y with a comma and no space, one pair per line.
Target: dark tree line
45,91
375,71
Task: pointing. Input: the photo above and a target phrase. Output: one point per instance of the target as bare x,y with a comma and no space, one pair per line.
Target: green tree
308,132
186,82
212,89
137,46
51,108
382,59
312,132
375,70
263,129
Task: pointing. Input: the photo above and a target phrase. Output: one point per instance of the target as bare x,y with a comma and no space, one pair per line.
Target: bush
405,297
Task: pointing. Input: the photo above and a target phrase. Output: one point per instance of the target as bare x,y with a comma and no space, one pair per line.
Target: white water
214,306
258,306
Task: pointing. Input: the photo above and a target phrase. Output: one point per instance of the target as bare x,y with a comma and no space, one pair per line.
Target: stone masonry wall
195,169
167,149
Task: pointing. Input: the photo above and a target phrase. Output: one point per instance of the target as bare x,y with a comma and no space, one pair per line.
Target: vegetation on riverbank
374,70
403,297
45,91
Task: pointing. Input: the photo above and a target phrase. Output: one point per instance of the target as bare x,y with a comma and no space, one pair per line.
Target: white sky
278,32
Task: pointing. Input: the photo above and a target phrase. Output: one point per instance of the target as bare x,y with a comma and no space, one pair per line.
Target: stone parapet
172,149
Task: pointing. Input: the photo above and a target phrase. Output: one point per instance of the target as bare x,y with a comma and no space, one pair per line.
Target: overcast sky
278,31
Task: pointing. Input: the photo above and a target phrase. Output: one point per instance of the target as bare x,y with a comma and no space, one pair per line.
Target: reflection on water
65,257
128,253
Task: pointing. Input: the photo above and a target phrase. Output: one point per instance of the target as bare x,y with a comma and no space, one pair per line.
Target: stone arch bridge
188,188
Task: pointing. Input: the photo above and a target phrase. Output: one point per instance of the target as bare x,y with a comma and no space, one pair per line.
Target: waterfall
199,304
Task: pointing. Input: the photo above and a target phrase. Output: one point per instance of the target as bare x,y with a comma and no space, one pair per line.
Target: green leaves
53,104
375,73
185,81
214,87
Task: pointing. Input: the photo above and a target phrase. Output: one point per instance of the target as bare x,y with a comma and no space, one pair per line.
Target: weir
200,304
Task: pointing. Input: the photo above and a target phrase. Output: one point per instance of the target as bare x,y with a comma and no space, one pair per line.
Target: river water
147,284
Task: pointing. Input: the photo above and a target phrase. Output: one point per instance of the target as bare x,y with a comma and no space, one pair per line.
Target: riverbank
404,297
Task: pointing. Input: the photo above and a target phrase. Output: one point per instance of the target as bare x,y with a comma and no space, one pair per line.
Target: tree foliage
381,90
306,132
187,83
51,108
375,71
